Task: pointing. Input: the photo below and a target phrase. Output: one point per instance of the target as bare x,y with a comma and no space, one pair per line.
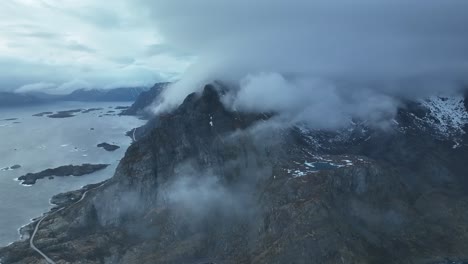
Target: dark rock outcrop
144,100
91,110
65,114
204,184
68,198
43,114
14,167
122,107
108,147
68,170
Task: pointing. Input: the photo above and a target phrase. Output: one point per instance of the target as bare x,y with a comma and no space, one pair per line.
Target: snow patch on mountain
447,116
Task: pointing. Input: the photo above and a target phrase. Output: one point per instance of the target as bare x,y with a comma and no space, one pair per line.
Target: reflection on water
38,142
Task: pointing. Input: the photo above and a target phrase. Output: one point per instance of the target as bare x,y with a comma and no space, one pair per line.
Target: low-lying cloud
318,58
318,102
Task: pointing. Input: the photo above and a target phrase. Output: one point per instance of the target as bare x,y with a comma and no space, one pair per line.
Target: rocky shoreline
68,170
61,200
67,198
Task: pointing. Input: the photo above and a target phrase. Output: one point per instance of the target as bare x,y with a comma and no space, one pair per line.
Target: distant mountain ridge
117,94
10,99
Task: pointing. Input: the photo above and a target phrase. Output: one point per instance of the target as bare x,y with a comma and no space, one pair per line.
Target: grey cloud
42,35
35,87
66,77
13,75
28,31
100,17
382,49
53,88
159,49
97,16
72,85
80,47
123,60
60,41
156,49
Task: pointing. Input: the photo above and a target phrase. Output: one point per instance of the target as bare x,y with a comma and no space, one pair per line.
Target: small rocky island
14,167
43,114
68,170
89,110
108,147
122,107
65,114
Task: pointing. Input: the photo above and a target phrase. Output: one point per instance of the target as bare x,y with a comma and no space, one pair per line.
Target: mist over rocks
305,132
226,186
144,101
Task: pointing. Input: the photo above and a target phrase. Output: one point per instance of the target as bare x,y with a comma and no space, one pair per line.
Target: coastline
22,206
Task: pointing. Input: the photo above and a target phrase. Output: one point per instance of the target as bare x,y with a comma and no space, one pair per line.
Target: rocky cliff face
208,185
144,100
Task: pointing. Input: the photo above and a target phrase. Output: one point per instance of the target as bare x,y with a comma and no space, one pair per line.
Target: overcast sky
60,45
303,58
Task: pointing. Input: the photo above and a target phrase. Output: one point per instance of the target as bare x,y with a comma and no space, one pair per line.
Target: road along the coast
31,240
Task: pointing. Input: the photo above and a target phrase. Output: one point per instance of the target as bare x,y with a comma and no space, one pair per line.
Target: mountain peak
206,102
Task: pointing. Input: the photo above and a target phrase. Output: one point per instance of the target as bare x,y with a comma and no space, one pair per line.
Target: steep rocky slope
144,100
207,185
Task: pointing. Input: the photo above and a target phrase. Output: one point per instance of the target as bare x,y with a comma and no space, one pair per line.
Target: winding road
134,130
31,240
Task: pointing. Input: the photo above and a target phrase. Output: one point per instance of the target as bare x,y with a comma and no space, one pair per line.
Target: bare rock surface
204,184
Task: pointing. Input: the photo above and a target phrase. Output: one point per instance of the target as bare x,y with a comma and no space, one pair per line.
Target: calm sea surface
38,143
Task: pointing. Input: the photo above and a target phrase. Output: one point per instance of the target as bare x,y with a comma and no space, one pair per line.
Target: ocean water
38,143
